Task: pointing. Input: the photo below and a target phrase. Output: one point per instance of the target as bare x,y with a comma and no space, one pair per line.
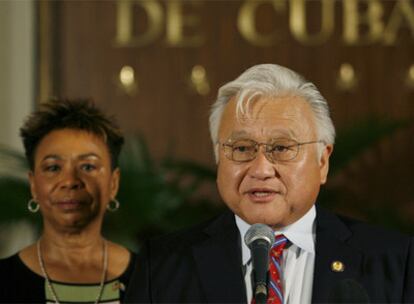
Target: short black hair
80,114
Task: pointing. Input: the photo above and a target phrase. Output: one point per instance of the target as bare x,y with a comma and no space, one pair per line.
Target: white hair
271,80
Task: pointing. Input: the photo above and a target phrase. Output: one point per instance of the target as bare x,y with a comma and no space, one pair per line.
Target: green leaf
359,137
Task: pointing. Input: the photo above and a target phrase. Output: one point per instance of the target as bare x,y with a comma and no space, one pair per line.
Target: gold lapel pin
337,266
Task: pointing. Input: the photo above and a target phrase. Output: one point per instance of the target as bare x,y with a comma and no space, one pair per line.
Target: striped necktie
275,286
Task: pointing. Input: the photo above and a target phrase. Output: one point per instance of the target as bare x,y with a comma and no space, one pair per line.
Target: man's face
259,191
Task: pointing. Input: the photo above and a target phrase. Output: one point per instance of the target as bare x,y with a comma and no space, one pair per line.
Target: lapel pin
118,286
337,266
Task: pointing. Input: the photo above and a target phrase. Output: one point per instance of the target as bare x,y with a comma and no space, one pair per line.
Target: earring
33,206
113,205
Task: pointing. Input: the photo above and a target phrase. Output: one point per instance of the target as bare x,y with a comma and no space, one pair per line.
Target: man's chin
272,220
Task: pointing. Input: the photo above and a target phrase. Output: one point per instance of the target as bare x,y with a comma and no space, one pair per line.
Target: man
273,137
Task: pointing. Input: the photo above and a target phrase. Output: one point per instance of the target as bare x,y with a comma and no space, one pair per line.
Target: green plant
351,143
14,187
157,198
360,136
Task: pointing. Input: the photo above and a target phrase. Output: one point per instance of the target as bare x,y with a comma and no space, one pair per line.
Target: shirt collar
300,233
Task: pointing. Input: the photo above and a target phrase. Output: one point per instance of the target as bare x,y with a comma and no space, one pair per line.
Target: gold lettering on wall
246,22
297,22
363,22
353,18
403,10
177,21
125,36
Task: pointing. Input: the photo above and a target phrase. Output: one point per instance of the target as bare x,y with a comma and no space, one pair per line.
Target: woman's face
72,179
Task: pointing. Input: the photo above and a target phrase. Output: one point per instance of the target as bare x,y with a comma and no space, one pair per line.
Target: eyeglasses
244,150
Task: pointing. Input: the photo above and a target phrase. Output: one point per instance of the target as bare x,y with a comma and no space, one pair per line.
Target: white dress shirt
298,259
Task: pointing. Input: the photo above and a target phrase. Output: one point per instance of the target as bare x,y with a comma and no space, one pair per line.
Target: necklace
49,284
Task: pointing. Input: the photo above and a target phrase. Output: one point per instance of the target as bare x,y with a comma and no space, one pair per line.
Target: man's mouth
261,195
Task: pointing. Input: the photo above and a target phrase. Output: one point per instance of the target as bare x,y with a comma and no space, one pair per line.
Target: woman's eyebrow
89,155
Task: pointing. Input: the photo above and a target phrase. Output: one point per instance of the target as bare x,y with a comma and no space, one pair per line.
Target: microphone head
259,231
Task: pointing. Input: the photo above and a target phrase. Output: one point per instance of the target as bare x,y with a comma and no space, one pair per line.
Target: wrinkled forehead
268,117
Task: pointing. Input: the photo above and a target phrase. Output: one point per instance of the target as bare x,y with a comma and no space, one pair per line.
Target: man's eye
242,149
88,167
280,148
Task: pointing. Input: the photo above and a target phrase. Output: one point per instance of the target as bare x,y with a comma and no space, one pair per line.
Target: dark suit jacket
203,264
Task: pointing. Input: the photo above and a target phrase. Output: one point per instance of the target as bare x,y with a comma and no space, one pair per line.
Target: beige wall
17,53
16,67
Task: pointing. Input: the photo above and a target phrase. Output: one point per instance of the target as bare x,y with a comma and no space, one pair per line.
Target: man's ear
324,162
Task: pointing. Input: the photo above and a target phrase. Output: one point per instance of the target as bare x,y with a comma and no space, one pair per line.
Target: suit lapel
218,261
332,246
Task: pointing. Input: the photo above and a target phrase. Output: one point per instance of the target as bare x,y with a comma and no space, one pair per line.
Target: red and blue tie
275,286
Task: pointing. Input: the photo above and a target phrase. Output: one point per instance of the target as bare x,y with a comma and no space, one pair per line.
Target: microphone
348,291
260,238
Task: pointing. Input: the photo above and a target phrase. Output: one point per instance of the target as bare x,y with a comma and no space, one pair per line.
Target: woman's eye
52,168
88,167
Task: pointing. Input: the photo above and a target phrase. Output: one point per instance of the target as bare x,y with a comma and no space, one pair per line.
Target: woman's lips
69,205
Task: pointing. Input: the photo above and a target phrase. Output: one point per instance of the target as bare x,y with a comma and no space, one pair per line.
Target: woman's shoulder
121,262
10,262
130,267
18,282
14,263
18,267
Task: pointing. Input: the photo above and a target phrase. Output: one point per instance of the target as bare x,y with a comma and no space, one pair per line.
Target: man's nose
261,167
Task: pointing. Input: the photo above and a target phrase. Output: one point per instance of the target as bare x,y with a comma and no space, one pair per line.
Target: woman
72,149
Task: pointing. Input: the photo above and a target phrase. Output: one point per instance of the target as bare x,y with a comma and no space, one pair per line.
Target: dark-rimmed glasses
277,150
